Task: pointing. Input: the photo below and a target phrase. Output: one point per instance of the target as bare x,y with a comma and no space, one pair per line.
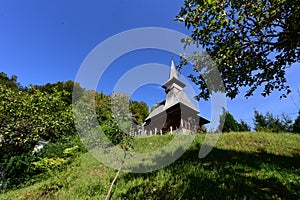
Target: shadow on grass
223,174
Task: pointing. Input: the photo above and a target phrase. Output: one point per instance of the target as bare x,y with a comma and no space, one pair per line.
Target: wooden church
177,112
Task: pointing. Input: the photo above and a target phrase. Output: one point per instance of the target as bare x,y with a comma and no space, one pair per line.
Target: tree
252,42
229,124
67,88
296,125
122,117
243,126
113,115
27,116
103,107
269,123
9,82
260,121
139,110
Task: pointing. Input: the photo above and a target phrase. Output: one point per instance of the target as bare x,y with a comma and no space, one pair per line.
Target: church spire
173,80
173,71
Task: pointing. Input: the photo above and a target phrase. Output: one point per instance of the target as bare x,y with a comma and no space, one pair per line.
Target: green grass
241,166
152,143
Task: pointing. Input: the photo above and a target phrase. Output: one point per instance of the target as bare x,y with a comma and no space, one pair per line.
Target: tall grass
241,166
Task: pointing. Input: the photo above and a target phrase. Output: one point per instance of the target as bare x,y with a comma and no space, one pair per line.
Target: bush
56,149
54,156
49,164
17,170
28,116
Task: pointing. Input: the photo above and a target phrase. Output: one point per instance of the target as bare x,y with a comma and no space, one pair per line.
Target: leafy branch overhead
252,42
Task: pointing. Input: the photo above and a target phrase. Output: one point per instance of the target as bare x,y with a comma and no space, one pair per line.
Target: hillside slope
241,166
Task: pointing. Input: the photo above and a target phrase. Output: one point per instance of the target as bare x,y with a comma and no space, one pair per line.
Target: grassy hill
241,166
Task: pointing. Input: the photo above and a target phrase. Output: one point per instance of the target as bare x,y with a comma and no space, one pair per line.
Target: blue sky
46,41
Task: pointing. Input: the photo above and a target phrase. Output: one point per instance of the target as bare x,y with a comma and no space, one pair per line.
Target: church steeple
177,111
173,81
173,71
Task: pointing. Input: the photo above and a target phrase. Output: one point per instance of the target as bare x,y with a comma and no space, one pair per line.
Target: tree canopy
29,115
139,110
9,82
252,42
296,125
270,123
228,123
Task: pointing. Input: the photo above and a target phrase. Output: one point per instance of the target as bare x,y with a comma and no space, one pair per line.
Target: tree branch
119,170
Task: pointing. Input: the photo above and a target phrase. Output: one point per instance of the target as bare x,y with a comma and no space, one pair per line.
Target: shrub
48,164
17,170
56,149
54,156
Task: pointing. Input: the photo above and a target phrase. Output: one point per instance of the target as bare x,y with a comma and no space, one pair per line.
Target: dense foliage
296,125
9,82
117,114
229,124
270,123
67,88
262,123
139,110
42,115
26,117
252,42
